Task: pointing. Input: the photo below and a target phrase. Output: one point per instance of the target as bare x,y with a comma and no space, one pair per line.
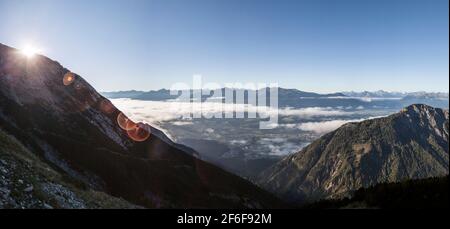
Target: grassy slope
20,170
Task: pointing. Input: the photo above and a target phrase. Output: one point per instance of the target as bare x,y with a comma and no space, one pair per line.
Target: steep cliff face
58,116
411,144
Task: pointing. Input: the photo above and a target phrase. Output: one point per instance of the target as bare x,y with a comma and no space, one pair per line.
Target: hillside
411,194
28,182
411,144
61,119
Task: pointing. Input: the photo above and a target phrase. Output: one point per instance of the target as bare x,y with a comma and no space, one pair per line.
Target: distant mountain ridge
411,144
374,94
165,94
386,94
301,99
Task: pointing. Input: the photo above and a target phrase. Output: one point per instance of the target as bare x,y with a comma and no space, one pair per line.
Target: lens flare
124,122
106,106
138,132
29,51
68,78
78,86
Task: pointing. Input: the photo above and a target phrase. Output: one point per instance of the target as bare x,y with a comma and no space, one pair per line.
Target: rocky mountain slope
411,144
28,182
60,118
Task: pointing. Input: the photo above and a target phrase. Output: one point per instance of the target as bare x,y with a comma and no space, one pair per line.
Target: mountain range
64,145
300,99
386,94
411,144
73,130
164,94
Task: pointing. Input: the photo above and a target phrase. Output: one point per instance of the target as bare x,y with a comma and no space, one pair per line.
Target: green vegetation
26,181
409,145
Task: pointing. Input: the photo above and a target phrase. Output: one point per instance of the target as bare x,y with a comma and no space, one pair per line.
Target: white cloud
323,127
312,112
327,126
181,123
280,148
156,111
238,142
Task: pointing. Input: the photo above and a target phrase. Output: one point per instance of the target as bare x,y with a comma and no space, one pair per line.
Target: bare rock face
411,144
58,116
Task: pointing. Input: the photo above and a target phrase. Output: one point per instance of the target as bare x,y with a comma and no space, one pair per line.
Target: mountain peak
60,118
424,112
418,108
411,144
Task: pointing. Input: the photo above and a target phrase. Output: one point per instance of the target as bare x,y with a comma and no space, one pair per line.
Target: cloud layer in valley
156,111
316,120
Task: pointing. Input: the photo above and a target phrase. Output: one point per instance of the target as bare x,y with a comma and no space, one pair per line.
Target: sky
311,45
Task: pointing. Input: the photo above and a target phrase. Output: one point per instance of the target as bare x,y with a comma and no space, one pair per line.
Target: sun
29,51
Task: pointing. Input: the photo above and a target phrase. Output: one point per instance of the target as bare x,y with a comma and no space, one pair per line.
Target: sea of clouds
178,113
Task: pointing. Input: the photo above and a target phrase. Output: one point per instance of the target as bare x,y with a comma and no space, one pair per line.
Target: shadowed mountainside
29,182
59,117
411,194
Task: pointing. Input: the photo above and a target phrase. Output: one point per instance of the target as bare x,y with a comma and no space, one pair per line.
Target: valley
238,145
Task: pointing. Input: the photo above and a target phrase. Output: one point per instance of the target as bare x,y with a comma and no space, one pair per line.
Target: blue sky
312,45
